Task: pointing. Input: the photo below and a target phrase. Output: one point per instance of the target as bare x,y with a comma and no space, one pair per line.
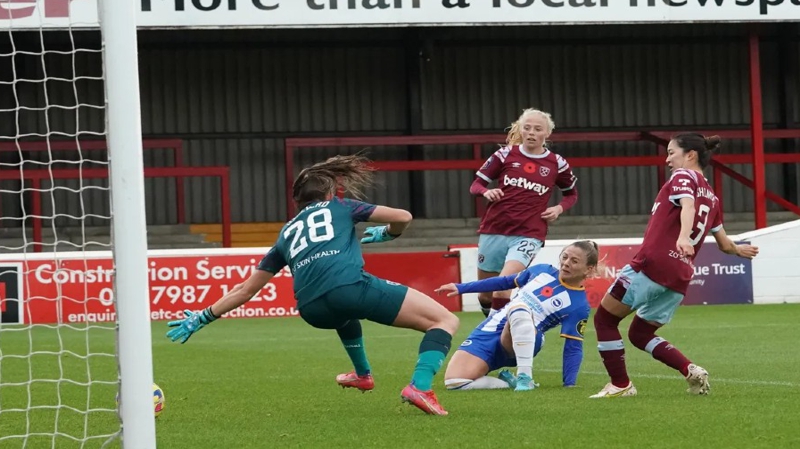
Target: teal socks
355,349
353,343
432,352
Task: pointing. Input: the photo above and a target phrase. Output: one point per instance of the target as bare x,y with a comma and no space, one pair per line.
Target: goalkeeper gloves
377,234
193,322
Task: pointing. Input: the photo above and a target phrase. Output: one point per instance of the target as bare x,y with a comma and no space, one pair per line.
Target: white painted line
711,378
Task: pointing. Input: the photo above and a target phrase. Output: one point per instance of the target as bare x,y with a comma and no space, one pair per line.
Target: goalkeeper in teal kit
332,289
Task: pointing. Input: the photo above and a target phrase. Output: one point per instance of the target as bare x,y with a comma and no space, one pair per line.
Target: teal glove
193,322
377,234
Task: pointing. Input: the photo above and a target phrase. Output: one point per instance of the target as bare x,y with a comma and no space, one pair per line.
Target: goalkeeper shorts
371,298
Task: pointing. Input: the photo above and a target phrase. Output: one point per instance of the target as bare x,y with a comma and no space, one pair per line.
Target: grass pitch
267,383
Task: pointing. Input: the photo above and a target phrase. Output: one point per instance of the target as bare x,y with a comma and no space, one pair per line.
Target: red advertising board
80,290
421,271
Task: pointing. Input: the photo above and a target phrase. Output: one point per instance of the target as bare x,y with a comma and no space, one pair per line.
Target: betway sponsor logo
525,184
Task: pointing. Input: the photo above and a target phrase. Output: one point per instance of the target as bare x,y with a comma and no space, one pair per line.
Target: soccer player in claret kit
514,228
655,281
332,289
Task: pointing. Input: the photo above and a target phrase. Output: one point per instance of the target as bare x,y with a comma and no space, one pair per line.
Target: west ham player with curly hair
514,228
655,281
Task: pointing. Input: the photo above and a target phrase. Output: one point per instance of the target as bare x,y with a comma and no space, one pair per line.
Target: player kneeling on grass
547,296
332,289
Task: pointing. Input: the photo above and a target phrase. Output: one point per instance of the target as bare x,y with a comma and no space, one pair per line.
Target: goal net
71,374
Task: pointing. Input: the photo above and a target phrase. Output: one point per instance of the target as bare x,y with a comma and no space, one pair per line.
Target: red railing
37,176
176,145
660,138
719,168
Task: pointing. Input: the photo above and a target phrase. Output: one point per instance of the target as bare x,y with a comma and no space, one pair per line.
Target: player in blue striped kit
547,297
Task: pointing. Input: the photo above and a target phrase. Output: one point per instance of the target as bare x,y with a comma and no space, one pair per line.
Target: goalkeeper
332,289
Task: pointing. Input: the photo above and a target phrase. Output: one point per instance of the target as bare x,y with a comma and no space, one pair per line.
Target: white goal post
129,226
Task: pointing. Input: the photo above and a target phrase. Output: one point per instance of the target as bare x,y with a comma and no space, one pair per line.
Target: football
158,400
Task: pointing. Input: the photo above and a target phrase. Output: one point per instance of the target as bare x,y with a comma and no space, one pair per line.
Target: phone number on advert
189,294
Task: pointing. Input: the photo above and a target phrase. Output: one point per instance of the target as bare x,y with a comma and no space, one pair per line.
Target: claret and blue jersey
552,304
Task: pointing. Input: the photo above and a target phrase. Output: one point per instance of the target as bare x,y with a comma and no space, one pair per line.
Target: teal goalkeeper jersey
320,247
